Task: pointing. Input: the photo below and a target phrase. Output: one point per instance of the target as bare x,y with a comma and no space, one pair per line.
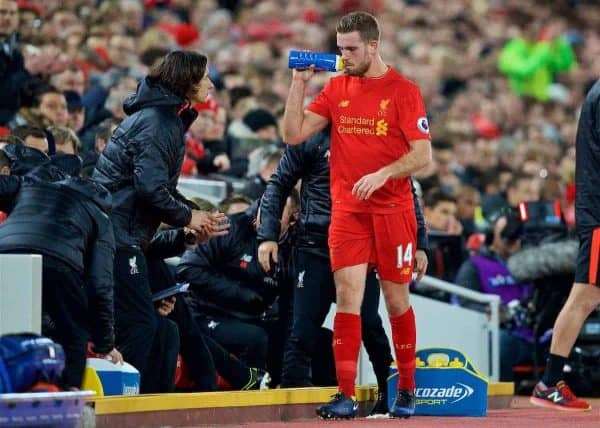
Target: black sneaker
404,404
259,379
340,407
380,410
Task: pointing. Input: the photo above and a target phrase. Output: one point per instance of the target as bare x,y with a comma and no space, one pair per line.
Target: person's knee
584,298
350,288
397,298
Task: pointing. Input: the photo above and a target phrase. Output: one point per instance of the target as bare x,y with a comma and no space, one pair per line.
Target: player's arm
418,157
299,124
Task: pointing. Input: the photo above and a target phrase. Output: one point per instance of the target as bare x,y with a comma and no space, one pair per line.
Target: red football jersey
372,122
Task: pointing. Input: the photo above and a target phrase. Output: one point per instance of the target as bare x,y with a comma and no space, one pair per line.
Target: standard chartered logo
362,126
382,127
436,396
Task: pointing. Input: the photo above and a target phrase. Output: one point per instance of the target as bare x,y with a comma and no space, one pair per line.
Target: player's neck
377,69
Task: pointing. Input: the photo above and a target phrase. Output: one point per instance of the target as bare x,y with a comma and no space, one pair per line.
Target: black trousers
314,291
135,317
248,341
64,298
162,361
203,356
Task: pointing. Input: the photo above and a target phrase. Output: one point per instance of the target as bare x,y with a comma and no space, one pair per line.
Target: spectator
13,74
65,139
234,204
75,110
268,164
49,108
533,60
32,136
72,79
486,272
90,157
122,56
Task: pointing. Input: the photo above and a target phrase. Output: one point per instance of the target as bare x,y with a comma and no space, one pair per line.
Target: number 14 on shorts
405,255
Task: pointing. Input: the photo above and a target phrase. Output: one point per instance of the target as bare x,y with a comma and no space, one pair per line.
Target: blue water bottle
322,61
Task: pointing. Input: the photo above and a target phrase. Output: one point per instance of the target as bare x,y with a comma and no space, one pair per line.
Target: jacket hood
91,190
150,94
24,159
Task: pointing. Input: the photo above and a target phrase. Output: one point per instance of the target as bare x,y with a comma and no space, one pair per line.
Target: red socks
347,336
404,335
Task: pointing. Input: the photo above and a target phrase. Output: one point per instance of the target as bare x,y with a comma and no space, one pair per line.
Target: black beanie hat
258,119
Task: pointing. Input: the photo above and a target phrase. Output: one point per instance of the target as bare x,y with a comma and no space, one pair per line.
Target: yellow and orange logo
382,127
344,103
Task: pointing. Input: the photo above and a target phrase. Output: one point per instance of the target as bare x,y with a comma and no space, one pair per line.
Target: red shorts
386,241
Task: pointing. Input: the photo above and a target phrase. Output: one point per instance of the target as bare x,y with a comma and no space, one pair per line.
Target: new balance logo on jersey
133,268
344,103
300,283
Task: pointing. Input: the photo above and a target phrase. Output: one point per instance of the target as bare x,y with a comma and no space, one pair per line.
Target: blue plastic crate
42,409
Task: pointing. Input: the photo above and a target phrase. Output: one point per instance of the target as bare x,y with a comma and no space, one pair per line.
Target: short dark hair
104,130
437,195
179,72
517,178
24,131
363,22
239,93
234,198
43,90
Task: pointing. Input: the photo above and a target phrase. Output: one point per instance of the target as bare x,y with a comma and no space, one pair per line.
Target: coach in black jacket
140,166
231,291
66,222
314,288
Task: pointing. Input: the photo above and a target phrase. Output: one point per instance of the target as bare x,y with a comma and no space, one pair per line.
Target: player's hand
421,263
364,188
166,306
267,251
303,75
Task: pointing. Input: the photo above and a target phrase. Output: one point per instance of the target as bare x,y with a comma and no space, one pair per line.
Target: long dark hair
179,72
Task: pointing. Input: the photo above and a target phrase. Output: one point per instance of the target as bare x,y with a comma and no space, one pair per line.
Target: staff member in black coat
231,291
314,290
66,222
140,166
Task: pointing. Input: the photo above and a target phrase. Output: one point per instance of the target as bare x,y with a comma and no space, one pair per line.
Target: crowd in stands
503,82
